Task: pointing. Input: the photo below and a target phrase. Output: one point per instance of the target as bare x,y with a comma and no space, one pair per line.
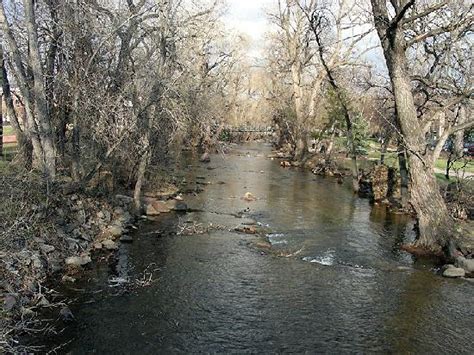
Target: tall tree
395,22
31,85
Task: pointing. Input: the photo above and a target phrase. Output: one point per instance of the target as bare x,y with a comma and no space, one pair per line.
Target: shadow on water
350,289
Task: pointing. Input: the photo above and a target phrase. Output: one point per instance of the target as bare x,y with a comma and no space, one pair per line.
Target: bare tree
396,23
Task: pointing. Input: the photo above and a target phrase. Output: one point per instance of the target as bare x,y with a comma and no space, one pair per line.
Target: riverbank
51,234
48,235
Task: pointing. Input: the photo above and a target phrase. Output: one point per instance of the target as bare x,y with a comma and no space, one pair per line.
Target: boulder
177,205
109,244
46,248
151,211
453,272
161,206
114,231
164,193
78,260
464,263
205,158
263,245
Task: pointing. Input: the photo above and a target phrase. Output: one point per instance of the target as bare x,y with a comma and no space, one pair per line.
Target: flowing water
347,288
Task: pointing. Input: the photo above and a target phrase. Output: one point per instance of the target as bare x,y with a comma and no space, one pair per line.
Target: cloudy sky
248,16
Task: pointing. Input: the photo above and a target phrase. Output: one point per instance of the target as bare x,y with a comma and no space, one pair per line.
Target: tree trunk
301,144
21,80
137,193
456,151
432,214
433,217
458,143
39,93
404,177
1,126
24,144
347,116
383,148
301,148
331,144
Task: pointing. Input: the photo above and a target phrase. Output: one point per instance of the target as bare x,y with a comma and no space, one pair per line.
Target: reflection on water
349,290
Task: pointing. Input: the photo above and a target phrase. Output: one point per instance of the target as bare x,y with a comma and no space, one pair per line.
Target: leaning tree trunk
434,221
301,143
457,149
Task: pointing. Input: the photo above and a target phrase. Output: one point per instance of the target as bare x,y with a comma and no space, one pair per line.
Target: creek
347,289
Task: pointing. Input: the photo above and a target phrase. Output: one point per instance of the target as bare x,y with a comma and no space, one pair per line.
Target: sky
248,16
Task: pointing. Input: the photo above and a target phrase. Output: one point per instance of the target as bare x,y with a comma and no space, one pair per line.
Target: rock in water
66,314
452,271
249,197
464,263
205,158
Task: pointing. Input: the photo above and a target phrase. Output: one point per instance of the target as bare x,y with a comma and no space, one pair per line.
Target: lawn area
391,158
9,150
8,130
392,161
469,167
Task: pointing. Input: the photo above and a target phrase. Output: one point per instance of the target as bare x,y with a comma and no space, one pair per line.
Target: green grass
391,158
8,130
469,167
10,148
9,151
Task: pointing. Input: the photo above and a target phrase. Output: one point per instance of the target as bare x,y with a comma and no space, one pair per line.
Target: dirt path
452,173
9,139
